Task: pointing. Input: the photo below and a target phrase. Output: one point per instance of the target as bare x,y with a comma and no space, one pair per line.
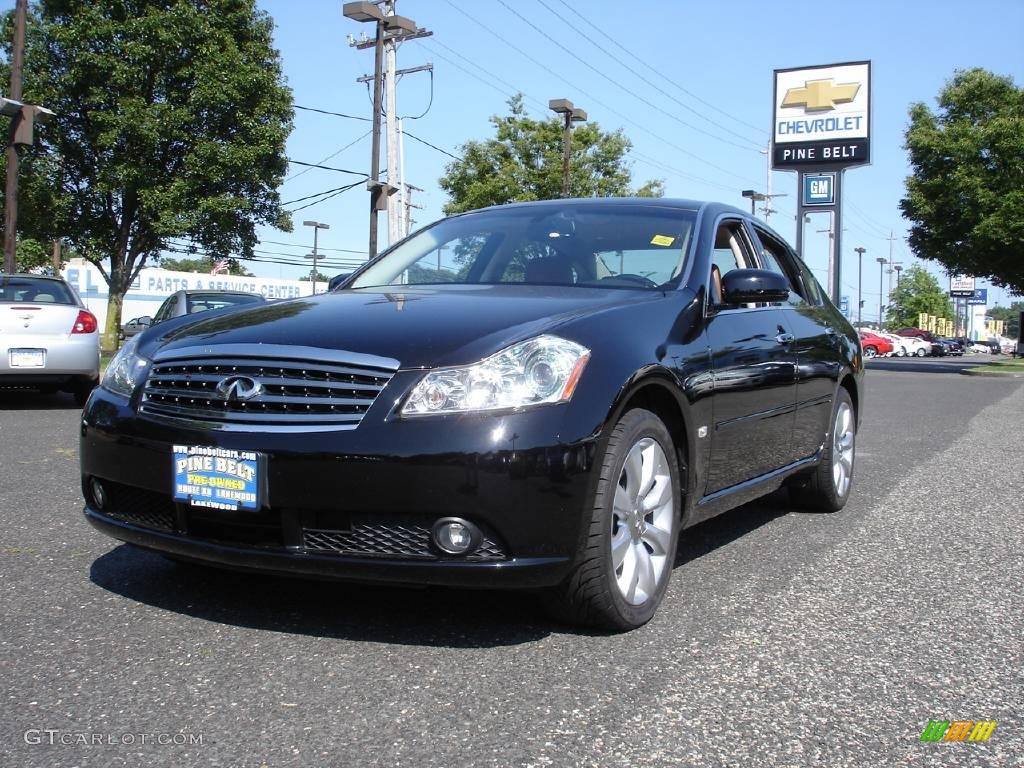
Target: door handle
785,338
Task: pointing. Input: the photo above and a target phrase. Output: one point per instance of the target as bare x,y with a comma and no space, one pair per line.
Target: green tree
1009,315
524,162
171,121
965,198
202,265
919,292
31,255
320,277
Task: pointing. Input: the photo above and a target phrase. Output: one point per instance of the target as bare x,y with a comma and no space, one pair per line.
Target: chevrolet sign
822,116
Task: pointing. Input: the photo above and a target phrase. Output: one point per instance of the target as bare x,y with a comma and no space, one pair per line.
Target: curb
993,374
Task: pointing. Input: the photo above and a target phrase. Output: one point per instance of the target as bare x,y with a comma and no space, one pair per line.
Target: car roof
657,202
55,278
215,292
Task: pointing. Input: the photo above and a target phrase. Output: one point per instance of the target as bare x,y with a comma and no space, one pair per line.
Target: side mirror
752,286
145,320
337,280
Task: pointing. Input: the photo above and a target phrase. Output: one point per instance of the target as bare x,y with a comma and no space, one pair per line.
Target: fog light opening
455,536
98,493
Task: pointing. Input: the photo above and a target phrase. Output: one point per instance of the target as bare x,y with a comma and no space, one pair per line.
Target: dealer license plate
27,358
218,478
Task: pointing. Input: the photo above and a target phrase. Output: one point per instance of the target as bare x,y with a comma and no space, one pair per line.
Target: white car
983,349
915,347
48,339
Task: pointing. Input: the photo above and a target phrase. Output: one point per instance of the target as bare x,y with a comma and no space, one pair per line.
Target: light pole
898,269
860,268
881,271
379,191
317,226
755,198
571,114
314,273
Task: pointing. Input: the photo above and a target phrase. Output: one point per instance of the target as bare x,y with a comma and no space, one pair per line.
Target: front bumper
359,504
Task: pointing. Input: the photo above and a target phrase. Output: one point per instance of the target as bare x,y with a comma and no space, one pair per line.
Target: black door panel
754,395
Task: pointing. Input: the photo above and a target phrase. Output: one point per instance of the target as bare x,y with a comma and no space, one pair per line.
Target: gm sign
822,116
819,189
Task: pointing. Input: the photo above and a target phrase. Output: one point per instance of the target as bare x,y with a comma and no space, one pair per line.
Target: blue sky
722,54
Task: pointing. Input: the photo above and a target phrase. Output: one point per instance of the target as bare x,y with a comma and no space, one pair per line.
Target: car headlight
125,370
541,370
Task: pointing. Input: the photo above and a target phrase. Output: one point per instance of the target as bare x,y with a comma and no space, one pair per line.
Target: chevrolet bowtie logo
818,95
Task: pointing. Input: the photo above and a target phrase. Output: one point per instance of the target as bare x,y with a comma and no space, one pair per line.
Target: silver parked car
48,339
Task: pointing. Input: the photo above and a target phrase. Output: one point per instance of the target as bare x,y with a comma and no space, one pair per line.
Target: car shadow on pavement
433,616
706,537
924,364
401,615
34,400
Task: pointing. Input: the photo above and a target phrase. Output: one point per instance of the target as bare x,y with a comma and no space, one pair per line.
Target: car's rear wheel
870,352
624,569
827,487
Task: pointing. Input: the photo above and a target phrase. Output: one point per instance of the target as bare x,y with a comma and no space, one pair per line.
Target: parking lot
786,638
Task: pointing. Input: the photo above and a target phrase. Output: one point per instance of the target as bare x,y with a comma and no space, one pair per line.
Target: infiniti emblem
239,388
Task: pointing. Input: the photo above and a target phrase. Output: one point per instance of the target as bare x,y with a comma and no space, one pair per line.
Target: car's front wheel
624,569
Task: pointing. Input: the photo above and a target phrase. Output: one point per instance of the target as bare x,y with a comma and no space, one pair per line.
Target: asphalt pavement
786,638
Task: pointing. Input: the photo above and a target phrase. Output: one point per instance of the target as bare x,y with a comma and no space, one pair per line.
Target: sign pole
836,285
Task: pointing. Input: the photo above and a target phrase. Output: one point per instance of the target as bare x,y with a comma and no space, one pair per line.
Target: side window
776,257
730,252
166,309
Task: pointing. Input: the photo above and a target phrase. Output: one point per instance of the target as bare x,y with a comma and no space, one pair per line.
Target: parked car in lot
187,302
950,346
546,411
874,345
48,339
135,325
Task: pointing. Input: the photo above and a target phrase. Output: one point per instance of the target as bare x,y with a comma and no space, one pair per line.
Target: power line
651,83
432,146
335,193
513,90
318,194
654,68
328,168
330,156
546,68
335,114
619,85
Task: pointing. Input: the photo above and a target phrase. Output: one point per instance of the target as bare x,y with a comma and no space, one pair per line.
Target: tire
823,490
870,352
920,352
599,593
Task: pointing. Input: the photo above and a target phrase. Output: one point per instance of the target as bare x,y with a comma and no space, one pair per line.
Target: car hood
418,326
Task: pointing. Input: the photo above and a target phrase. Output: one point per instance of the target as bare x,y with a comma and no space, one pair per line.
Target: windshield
591,245
34,290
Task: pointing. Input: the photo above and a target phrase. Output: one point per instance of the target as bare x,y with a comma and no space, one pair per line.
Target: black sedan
538,396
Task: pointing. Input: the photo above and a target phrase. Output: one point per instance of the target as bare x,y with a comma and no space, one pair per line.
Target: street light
860,267
317,226
898,269
571,114
881,270
369,12
314,273
755,198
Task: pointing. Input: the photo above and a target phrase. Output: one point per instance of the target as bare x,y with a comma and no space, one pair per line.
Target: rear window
206,302
34,290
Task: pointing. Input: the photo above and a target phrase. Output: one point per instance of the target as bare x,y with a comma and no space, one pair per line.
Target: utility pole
390,114
390,29
407,223
11,191
860,268
891,238
56,257
571,114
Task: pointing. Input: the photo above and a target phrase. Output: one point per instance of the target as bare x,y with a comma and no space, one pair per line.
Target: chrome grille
292,392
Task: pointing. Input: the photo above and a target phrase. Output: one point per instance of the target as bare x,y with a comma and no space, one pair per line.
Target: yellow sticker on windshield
662,240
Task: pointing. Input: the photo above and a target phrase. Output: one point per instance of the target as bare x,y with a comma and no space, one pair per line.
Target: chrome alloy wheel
842,449
643,521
